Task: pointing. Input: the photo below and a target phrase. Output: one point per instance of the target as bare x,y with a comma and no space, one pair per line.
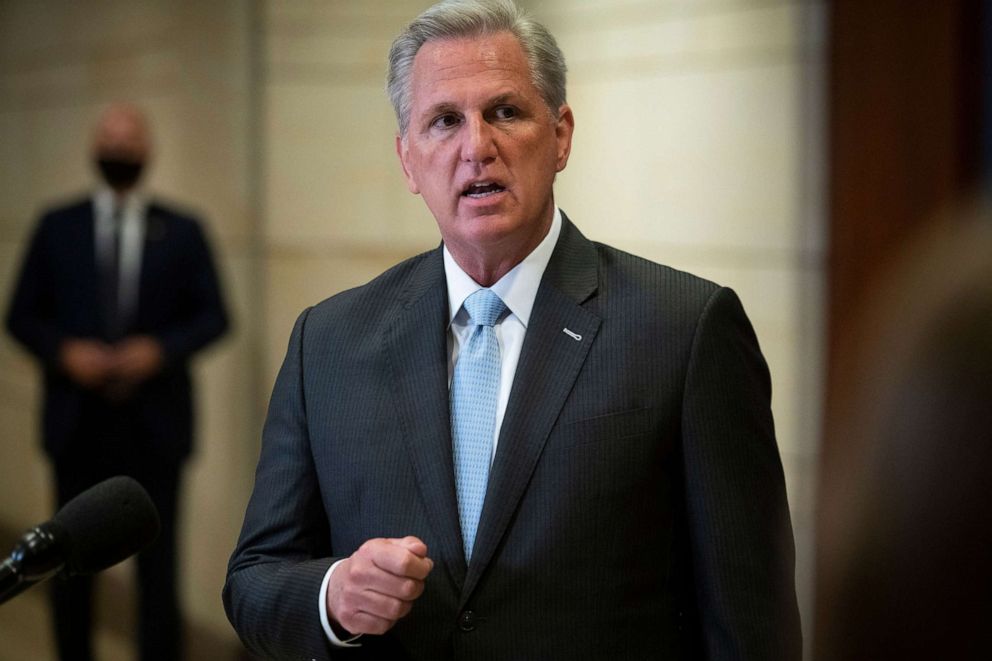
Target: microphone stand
36,557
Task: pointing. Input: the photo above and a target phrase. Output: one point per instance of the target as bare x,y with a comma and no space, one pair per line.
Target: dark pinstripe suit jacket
636,506
179,303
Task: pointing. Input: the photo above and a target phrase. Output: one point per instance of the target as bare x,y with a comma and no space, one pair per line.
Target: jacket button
466,621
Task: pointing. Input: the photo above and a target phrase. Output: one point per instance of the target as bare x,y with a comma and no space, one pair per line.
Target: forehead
495,60
121,128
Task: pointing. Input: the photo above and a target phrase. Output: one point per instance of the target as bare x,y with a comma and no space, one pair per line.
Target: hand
137,358
377,585
89,363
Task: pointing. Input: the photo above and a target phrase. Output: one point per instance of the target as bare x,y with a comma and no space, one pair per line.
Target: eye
445,121
505,112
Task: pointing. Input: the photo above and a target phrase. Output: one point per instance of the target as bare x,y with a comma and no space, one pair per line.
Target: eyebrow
439,108
447,106
502,98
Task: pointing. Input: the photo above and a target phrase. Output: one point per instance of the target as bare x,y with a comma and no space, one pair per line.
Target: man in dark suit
523,444
115,295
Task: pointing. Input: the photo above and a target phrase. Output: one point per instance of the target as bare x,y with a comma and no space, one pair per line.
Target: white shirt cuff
324,621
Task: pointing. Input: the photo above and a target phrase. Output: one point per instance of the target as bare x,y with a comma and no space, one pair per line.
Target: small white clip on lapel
574,336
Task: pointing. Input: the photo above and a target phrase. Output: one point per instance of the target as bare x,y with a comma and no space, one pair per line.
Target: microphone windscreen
105,524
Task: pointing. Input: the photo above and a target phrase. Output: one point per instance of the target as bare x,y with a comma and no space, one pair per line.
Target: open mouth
482,190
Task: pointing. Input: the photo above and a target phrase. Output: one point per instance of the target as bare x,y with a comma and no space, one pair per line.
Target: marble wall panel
332,174
702,159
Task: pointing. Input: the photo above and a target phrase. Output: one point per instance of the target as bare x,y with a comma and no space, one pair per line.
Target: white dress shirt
133,207
518,290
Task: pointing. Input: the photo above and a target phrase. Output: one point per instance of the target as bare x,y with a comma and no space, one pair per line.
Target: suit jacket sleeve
275,573
204,317
31,317
738,518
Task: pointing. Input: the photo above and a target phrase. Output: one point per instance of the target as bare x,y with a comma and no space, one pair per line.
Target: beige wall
698,144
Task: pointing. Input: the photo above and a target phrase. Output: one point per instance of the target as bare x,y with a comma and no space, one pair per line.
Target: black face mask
120,174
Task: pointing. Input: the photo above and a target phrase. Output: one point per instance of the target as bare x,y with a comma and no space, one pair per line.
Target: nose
478,145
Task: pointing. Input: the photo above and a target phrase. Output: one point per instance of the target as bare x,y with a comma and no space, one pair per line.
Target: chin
494,226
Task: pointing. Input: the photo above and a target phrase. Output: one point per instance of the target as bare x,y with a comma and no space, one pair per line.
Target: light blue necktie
474,389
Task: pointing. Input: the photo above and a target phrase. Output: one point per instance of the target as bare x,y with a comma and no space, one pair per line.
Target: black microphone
105,524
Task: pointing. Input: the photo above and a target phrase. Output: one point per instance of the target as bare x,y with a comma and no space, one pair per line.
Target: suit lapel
88,269
153,254
550,361
417,351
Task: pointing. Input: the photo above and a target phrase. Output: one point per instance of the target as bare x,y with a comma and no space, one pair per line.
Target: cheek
435,169
542,164
434,181
436,185
540,153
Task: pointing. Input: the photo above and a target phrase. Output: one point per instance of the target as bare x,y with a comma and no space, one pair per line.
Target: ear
563,132
403,152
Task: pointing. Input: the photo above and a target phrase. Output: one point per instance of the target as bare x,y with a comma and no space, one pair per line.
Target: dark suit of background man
117,292
634,506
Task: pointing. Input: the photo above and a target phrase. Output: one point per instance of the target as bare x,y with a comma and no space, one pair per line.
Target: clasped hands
115,369
377,585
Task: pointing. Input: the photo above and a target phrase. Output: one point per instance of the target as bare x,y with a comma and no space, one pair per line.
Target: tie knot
484,307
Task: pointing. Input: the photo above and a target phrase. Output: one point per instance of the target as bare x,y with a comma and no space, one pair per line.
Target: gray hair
453,19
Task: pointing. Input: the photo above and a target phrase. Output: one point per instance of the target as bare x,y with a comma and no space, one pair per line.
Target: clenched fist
377,585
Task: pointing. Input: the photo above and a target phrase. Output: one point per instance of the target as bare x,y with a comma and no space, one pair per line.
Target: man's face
482,147
121,146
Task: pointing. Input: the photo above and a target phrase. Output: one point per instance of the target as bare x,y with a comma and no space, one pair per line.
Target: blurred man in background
115,295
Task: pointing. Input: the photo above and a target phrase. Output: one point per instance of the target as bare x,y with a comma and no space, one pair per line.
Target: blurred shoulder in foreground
906,531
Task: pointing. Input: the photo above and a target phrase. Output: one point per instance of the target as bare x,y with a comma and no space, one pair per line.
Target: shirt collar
104,199
517,289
